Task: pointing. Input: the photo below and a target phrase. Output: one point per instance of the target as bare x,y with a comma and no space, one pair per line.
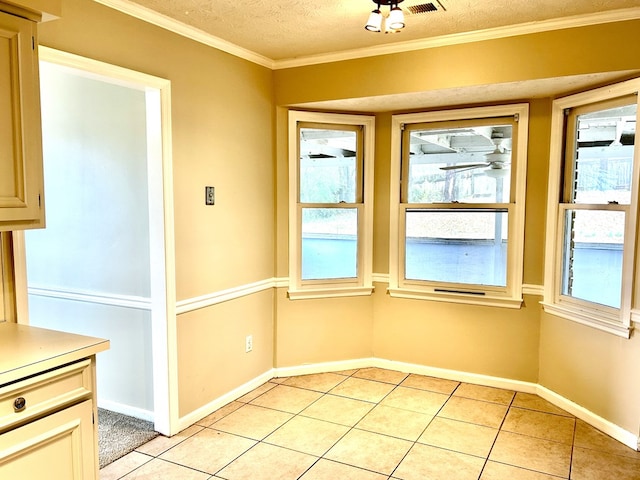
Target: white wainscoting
203,301
108,362
190,304
115,300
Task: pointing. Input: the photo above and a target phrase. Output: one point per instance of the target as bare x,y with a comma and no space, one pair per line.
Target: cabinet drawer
58,446
36,396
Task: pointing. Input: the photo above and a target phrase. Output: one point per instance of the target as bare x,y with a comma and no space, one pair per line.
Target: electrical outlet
248,343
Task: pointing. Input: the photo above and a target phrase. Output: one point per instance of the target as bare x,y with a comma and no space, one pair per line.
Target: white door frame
161,228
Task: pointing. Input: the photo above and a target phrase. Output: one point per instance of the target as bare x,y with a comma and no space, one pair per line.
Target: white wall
92,260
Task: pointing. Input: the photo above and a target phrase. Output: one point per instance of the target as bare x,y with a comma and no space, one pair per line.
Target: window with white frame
593,207
457,205
330,204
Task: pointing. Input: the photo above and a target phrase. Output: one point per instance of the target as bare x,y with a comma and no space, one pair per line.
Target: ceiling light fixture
393,22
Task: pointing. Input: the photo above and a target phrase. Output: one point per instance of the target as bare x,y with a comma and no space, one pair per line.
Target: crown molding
160,20
150,16
632,13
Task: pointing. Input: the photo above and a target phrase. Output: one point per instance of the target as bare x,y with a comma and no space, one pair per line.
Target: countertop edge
33,354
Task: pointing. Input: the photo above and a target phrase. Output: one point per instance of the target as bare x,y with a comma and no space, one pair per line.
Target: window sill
329,292
590,319
468,299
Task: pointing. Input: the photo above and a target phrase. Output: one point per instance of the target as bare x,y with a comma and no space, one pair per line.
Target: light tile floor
376,424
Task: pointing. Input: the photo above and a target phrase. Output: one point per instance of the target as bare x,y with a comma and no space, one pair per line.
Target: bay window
592,208
330,199
457,205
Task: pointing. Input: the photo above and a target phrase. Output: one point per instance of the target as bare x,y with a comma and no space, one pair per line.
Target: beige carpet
120,434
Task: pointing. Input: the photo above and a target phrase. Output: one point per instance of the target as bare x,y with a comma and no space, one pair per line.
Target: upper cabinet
33,9
21,179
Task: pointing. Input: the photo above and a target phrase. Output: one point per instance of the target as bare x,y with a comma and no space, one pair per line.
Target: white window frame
509,296
363,283
614,321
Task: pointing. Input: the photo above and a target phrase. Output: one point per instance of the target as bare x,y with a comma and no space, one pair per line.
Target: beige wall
222,133
592,368
536,201
599,48
211,343
490,341
222,136
322,330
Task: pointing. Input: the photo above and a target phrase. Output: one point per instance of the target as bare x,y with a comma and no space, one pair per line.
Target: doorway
100,267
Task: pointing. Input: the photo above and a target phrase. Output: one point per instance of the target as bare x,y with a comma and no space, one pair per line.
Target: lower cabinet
48,404
47,428
59,446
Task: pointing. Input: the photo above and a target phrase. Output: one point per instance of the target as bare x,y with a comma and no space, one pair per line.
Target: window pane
592,256
329,243
604,158
457,246
460,164
328,166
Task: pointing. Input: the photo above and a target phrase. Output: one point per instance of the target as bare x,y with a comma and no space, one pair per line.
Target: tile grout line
299,414
352,427
157,457
573,445
294,415
433,417
409,449
493,444
323,394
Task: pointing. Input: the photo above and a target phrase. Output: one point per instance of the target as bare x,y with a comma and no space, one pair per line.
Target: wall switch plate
209,195
248,343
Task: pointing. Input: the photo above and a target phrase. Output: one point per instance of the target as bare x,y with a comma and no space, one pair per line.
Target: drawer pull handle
19,404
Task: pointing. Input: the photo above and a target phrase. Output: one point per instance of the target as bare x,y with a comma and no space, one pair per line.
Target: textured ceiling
288,33
286,29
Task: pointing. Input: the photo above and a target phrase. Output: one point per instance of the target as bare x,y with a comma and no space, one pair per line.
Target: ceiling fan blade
498,165
464,165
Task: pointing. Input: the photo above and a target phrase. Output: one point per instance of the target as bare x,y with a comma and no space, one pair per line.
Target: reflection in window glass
328,166
604,156
470,165
592,256
457,246
329,243
600,174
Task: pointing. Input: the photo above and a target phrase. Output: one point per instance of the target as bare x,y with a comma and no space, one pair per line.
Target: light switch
209,195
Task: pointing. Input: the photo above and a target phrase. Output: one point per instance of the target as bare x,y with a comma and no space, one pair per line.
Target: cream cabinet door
57,447
21,181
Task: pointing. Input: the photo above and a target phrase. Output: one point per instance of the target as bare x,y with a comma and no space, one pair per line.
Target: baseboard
596,421
605,426
457,375
310,368
209,408
124,409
